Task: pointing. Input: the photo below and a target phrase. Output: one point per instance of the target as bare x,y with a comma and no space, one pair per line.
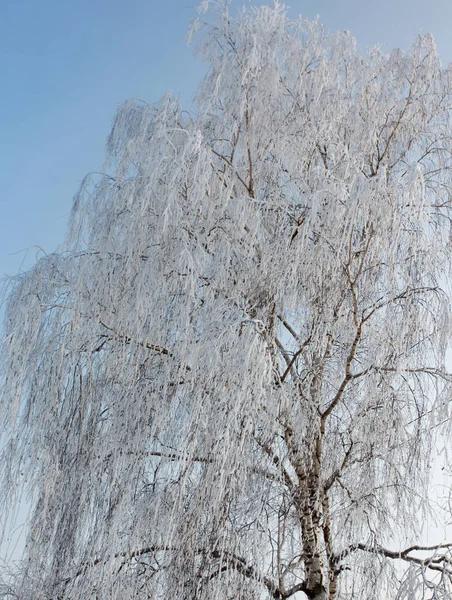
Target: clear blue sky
67,65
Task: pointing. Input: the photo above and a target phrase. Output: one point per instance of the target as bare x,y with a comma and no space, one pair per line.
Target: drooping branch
381,155
229,163
250,160
407,293
276,461
366,315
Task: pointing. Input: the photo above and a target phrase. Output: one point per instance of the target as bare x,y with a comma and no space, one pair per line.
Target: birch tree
228,382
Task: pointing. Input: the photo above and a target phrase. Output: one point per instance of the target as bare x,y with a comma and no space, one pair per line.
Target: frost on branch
227,383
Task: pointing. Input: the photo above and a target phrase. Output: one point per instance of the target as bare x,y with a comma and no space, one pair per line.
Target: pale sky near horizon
67,66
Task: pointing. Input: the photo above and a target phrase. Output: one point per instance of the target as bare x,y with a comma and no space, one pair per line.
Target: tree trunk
309,504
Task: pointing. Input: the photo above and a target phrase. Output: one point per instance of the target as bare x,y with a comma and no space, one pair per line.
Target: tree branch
437,563
128,340
232,560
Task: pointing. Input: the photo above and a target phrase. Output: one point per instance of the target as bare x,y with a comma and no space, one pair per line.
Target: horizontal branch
176,457
435,562
128,340
231,559
433,371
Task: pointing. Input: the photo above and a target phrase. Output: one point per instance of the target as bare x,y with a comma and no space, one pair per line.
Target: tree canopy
228,382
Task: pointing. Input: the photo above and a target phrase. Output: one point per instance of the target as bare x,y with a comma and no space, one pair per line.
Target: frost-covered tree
228,382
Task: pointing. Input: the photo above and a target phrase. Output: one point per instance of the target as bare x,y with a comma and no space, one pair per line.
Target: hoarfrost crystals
228,382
